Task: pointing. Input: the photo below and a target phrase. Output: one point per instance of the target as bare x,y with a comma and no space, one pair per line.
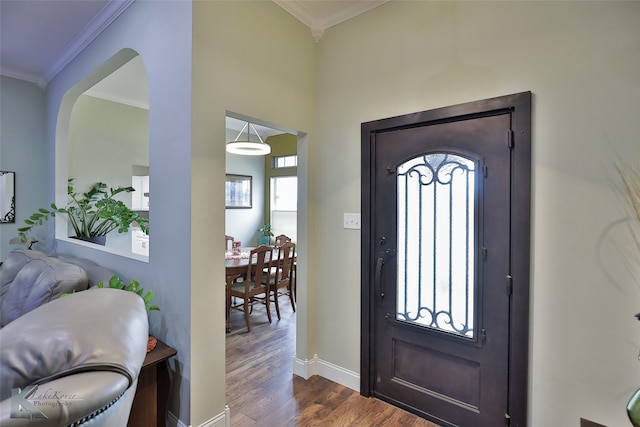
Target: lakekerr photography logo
29,402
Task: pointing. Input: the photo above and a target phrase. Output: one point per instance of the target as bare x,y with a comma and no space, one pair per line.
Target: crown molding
318,24
351,10
97,25
22,75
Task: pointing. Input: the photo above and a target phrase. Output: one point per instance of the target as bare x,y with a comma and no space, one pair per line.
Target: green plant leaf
67,293
116,283
91,214
134,286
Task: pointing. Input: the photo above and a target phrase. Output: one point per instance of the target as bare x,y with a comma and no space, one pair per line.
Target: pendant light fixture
248,147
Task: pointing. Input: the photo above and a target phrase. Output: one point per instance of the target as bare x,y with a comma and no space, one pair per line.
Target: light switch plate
352,221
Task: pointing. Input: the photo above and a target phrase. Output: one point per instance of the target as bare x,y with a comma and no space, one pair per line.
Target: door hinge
485,170
509,284
507,420
510,139
484,253
484,335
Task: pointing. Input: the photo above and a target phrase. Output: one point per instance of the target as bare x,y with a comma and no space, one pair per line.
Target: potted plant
264,235
92,215
116,283
134,286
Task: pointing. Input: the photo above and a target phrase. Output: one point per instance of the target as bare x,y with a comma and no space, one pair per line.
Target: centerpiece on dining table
236,252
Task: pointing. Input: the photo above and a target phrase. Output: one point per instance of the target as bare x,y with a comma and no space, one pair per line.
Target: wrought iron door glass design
436,242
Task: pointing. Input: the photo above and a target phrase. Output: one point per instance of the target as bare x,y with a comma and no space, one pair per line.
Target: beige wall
240,64
581,61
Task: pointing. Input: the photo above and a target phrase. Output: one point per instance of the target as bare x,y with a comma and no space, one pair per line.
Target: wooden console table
150,402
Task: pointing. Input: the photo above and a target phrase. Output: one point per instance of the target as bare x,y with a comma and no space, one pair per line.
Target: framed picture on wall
7,197
238,191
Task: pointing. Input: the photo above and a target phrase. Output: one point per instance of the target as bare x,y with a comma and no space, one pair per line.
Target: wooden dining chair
255,288
280,283
282,239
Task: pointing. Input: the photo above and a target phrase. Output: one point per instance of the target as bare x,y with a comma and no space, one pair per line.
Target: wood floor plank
262,391
241,420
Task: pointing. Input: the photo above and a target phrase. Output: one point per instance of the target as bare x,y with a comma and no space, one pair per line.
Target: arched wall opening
102,135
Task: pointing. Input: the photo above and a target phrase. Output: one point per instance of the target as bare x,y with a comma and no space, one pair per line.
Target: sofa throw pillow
40,279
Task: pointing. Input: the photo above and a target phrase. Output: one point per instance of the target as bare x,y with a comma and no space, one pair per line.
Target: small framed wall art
238,191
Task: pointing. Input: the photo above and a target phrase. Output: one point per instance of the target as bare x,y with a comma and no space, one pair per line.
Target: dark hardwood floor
262,390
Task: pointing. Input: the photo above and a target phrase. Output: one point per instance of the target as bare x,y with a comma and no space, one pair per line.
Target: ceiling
38,38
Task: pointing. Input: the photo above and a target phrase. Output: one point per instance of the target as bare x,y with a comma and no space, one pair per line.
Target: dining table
236,265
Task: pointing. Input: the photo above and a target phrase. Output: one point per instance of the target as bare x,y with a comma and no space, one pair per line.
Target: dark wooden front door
440,244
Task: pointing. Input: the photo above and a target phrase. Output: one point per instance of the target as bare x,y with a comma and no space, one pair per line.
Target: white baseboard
305,368
220,420
308,368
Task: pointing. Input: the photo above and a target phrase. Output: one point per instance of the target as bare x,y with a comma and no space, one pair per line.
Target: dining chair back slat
255,288
282,239
280,282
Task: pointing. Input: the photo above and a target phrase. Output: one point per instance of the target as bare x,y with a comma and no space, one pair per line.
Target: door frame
519,107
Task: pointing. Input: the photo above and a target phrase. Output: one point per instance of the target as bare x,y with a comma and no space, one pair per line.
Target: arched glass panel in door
436,243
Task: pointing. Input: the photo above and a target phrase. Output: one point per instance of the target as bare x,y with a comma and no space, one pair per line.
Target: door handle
378,274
